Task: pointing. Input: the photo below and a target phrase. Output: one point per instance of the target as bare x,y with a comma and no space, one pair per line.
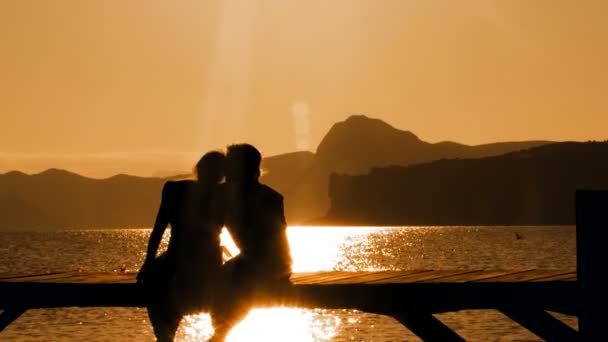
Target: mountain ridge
359,143
353,146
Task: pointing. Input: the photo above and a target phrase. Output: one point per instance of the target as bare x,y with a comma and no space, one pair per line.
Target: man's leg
231,301
223,322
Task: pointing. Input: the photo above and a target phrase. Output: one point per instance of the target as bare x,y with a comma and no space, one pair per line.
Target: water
313,249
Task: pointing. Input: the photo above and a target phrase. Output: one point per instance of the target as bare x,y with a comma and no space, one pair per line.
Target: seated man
255,219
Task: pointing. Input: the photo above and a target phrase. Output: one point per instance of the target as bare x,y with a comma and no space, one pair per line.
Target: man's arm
276,213
162,220
277,236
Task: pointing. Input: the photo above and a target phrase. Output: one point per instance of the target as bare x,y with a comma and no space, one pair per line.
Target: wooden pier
411,297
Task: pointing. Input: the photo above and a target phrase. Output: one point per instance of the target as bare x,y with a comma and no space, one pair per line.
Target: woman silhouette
179,281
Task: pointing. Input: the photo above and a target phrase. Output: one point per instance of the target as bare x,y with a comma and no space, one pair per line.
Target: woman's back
180,280
196,219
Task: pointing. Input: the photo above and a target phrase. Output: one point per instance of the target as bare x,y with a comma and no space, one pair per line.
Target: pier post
591,252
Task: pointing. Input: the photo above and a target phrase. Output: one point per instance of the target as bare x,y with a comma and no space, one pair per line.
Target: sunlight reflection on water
312,249
320,249
271,325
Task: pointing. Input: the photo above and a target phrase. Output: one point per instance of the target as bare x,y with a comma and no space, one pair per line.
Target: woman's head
211,167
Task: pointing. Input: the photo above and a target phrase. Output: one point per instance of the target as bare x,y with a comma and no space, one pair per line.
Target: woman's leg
165,321
163,314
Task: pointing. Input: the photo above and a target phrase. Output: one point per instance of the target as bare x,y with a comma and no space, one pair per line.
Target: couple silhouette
191,276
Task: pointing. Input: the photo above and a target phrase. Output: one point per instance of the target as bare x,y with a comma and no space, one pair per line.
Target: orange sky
102,87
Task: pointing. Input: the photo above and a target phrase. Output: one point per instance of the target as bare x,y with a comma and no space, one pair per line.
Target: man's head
243,163
211,167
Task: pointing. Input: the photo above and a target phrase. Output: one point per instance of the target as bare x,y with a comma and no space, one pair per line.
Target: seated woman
179,281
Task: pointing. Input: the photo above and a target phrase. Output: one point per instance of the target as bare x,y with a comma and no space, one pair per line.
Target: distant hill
532,187
360,143
61,199
286,170
18,213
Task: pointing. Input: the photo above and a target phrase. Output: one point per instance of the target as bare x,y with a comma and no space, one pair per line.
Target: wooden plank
540,275
422,276
368,277
6,276
411,303
45,277
473,276
403,278
103,278
52,277
334,277
527,276
464,274
565,276
365,277
389,277
99,277
303,275
320,276
511,276
557,296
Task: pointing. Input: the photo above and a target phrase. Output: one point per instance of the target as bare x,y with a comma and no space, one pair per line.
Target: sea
313,249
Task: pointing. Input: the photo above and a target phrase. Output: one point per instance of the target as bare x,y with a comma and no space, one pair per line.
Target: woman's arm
162,220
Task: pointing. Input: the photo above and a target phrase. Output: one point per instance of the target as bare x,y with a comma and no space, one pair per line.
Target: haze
144,87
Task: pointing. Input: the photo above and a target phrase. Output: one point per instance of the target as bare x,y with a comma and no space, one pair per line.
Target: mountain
360,143
532,187
19,213
61,199
286,170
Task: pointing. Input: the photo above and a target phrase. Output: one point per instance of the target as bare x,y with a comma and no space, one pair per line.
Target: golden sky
144,87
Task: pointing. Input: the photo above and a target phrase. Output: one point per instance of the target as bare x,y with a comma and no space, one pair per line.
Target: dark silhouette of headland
530,187
354,147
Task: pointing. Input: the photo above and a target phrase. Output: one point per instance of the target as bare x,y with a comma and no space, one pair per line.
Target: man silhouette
255,218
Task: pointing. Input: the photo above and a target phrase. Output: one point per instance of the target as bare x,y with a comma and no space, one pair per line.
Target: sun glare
328,245
283,324
323,251
269,325
312,249
196,327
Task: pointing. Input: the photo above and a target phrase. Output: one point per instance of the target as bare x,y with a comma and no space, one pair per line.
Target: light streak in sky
301,121
226,102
